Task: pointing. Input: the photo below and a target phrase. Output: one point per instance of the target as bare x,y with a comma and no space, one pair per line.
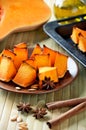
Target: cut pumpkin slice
36,50
31,61
8,53
61,64
49,72
21,55
42,60
7,69
75,34
52,53
82,43
22,15
83,32
25,76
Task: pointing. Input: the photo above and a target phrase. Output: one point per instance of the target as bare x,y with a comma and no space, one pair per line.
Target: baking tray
61,34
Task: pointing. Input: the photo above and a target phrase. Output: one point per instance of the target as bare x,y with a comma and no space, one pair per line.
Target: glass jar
68,8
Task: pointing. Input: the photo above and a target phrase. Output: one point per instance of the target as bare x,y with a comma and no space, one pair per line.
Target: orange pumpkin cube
75,34
83,32
42,60
48,72
7,69
8,53
52,53
31,61
82,43
37,50
61,64
25,76
21,55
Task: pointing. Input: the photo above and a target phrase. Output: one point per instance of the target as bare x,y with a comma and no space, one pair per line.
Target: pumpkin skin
22,15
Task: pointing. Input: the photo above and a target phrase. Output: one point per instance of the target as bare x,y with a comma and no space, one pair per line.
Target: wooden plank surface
8,100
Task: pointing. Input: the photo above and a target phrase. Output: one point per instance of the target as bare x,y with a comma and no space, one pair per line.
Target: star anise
48,84
24,107
39,113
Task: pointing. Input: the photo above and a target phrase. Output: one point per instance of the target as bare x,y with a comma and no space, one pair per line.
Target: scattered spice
14,117
18,88
39,113
31,89
48,84
35,86
19,119
22,126
24,107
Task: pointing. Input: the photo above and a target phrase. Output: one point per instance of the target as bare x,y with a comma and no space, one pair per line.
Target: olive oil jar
68,8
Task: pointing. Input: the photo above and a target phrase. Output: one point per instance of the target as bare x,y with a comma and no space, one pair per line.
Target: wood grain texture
8,100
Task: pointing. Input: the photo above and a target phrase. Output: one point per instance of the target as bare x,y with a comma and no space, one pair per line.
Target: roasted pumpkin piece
37,50
83,32
21,45
61,64
49,72
42,60
52,53
8,53
82,43
25,76
21,55
7,69
75,34
31,61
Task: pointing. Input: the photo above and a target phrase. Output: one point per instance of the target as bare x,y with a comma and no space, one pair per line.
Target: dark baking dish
61,34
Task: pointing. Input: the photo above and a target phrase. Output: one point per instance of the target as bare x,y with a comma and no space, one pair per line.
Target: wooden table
9,100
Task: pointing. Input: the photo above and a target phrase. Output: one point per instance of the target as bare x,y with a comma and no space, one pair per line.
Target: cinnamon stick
65,103
68,114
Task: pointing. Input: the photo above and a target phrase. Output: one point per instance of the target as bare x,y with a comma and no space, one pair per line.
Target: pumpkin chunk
21,55
25,76
8,53
31,61
82,43
7,69
48,72
36,50
52,53
75,34
42,60
61,64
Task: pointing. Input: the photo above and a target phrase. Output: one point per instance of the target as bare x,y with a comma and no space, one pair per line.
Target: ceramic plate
67,79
